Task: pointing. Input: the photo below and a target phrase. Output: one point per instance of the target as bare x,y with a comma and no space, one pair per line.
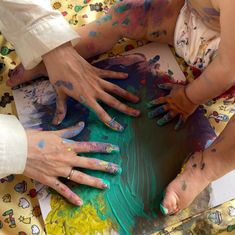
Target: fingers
105,118
71,131
82,178
91,147
156,102
166,118
116,104
61,108
120,92
166,86
158,111
96,164
66,192
110,74
180,122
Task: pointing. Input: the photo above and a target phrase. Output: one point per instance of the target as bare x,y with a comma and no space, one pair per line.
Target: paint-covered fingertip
115,125
106,184
164,210
111,148
56,121
119,171
161,122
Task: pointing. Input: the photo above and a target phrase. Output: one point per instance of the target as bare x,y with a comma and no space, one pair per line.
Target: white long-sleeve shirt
34,29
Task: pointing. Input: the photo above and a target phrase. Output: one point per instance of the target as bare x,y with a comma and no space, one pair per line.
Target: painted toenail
163,209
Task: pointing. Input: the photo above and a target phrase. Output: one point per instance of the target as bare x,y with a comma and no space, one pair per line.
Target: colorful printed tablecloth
19,209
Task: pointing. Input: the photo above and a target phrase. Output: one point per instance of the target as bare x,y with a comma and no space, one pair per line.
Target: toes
170,203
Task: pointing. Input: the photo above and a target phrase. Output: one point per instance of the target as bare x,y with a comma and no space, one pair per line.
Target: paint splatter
41,144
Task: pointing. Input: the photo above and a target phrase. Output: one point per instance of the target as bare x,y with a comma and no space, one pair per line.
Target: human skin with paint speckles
155,21
51,155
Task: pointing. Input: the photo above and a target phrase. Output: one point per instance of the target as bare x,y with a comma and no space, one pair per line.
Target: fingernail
56,121
156,112
111,148
106,184
79,202
115,125
119,171
164,210
136,113
161,122
151,104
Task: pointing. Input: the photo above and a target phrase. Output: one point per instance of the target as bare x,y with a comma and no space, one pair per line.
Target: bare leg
200,170
140,19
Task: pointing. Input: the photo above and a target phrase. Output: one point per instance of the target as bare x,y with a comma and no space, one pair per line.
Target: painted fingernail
106,184
164,210
111,167
111,148
161,122
156,112
151,104
115,125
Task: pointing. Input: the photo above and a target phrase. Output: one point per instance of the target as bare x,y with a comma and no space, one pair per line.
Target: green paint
106,183
124,7
126,21
103,19
164,210
115,23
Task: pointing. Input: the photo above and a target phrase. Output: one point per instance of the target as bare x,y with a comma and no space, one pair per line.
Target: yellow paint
65,219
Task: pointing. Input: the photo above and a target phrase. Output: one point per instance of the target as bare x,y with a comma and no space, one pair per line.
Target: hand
73,76
175,104
52,155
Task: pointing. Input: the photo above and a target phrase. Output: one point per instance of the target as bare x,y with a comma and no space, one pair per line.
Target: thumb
71,131
61,108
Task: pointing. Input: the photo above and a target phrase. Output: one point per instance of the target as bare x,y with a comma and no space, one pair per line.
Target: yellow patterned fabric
19,210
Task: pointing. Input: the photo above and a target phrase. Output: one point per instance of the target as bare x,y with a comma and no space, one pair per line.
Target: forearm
13,146
214,81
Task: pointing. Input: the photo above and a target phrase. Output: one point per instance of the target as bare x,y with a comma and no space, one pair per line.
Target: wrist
189,95
58,52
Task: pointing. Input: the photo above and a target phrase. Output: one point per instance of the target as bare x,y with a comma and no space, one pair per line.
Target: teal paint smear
126,21
150,157
123,8
104,19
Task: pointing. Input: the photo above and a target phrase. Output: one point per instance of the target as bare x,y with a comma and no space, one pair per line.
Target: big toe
170,202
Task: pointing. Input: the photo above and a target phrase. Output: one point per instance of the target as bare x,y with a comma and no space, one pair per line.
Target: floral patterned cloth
19,209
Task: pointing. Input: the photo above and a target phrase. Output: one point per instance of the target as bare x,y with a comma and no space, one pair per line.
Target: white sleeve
34,28
13,146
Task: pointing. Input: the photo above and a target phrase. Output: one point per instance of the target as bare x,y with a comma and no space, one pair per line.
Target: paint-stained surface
150,156
17,193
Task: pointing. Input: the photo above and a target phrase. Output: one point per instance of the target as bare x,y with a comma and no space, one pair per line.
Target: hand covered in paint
175,104
73,76
51,155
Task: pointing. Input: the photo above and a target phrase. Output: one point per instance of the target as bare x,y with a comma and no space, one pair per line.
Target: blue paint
147,5
41,144
93,34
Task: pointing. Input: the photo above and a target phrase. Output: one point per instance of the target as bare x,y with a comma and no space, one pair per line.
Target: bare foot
19,75
195,176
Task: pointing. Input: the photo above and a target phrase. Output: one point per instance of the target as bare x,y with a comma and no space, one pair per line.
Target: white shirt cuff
43,36
13,146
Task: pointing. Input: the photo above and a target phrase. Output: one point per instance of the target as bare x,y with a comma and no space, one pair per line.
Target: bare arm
219,75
